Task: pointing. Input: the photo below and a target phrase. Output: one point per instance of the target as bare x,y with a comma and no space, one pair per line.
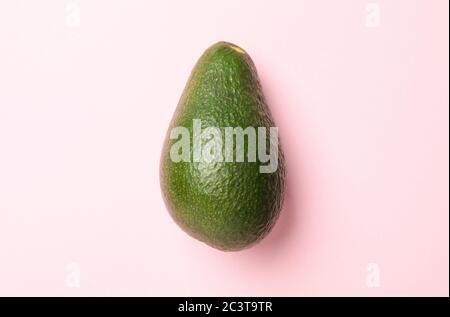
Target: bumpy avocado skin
229,206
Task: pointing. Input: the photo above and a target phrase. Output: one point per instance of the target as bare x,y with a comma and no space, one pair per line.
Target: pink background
363,115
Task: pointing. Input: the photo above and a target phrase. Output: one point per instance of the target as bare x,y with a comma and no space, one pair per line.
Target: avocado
222,169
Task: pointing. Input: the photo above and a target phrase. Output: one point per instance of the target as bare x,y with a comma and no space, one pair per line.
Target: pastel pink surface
363,117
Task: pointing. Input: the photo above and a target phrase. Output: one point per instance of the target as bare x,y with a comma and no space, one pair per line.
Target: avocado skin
229,206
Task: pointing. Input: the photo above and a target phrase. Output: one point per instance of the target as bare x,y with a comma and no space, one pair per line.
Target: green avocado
217,186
